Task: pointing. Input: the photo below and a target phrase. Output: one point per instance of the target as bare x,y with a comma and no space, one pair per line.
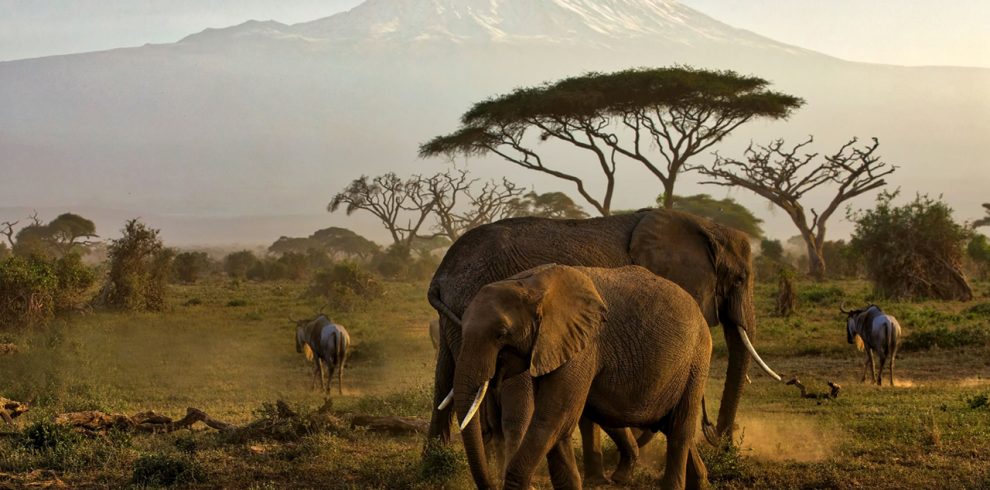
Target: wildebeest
325,343
874,331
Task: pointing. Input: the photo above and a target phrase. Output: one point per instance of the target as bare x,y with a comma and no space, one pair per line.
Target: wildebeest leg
331,366
883,360
317,372
893,356
867,366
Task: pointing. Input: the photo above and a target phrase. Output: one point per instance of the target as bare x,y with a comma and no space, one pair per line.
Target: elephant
621,346
709,261
435,333
325,343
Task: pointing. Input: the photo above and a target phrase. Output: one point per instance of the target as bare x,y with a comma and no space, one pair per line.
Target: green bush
33,289
139,269
820,294
912,251
49,436
237,264
345,286
165,470
979,309
942,337
189,267
440,463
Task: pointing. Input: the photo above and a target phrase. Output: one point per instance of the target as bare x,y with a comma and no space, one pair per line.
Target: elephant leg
643,437
591,448
628,453
684,421
562,465
516,397
697,474
443,382
559,401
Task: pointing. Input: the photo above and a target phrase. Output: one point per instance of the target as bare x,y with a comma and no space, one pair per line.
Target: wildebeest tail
434,298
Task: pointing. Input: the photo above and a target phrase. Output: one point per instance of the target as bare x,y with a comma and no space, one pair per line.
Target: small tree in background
655,117
139,269
66,234
784,177
984,221
912,251
978,251
189,267
725,211
237,264
556,205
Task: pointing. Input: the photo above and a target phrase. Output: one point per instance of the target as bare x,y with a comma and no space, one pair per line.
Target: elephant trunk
471,378
740,317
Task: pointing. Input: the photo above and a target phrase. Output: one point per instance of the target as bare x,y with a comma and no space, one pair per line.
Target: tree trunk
816,260
668,194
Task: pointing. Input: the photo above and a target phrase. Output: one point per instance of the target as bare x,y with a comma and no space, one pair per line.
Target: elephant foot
623,474
596,481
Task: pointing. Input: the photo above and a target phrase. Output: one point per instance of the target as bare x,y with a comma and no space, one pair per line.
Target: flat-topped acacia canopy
674,111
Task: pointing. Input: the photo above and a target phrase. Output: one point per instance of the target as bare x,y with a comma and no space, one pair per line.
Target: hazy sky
910,32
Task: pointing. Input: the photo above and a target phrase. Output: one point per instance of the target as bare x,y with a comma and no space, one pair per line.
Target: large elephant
622,346
709,261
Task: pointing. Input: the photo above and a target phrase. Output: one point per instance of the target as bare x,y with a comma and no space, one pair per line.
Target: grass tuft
166,470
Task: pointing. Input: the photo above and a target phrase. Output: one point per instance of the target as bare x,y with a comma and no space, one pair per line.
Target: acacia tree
556,205
390,199
783,177
658,117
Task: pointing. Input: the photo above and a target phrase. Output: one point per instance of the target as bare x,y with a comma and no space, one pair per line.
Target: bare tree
390,199
7,230
656,117
492,202
783,177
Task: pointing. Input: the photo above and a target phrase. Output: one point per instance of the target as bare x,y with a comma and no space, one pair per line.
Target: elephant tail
434,297
707,428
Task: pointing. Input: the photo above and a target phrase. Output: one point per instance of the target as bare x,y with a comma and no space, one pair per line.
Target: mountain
265,119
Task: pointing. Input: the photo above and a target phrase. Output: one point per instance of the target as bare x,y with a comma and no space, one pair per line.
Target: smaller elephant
620,346
874,331
325,343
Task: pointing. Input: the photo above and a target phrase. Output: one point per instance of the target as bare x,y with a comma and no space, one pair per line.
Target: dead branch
832,394
11,409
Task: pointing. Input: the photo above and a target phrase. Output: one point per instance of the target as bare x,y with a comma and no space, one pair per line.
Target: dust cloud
787,437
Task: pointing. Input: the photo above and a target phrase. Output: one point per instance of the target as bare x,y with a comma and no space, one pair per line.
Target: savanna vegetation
130,324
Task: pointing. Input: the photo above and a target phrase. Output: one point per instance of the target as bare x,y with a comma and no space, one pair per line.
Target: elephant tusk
446,401
474,406
752,352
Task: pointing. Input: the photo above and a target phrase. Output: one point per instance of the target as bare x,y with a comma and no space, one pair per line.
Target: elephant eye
502,333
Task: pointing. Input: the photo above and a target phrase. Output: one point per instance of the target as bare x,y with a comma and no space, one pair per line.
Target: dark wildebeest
874,331
324,343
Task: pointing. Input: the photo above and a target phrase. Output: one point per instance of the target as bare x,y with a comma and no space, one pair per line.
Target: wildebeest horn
446,401
756,357
293,320
474,406
320,311
842,308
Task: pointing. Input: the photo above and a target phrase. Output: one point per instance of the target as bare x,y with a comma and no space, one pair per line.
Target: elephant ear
570,315
683,249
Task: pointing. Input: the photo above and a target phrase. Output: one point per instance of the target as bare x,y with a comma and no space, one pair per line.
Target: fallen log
11,409
94,422
396,426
